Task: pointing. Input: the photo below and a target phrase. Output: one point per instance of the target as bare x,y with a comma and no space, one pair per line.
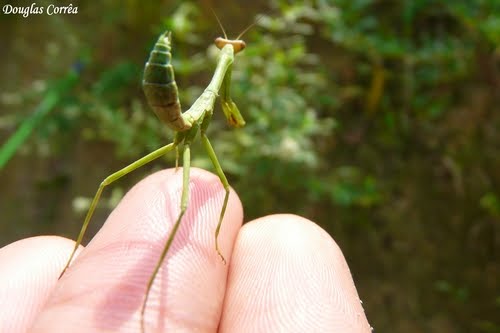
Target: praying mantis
160,90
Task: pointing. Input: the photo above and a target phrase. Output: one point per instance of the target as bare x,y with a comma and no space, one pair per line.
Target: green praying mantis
160,89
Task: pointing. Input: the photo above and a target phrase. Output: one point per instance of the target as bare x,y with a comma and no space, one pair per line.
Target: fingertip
30,268
298,278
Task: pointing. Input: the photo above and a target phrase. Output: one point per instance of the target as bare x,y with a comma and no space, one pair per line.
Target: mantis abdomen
159,85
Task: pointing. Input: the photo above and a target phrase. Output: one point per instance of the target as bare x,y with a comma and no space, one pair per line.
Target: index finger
104,288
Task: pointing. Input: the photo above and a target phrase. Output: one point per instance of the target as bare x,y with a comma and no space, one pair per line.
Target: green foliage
491,203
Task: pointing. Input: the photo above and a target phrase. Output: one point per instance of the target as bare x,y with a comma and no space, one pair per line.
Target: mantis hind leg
110,179
223,179
186,155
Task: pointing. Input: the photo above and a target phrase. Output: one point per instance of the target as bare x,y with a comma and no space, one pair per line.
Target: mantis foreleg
233,115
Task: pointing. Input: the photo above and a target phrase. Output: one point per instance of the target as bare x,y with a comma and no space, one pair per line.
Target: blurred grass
379,120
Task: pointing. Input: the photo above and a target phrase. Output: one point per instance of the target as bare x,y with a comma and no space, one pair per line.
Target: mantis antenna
243,32
220,24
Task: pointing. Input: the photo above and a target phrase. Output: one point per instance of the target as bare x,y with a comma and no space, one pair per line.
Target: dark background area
379,120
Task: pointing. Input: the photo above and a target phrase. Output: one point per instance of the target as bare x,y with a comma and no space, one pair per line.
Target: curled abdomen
159,85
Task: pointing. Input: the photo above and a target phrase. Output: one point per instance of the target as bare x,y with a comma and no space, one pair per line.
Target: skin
284,273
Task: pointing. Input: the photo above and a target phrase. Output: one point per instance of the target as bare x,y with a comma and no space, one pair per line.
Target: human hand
284,273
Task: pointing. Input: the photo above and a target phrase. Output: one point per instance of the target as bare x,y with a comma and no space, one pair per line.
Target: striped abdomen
159,85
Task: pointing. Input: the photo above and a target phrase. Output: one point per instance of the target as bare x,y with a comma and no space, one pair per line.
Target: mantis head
238,44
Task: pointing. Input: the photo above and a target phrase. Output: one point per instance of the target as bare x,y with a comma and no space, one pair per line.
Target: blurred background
379,120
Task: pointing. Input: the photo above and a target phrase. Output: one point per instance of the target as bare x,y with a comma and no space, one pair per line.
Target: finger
29,273
104,288
297,277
